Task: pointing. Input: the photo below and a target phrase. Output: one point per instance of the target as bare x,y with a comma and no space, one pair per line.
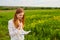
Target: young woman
16,25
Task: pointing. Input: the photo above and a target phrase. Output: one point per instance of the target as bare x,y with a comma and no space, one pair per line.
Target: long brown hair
19,10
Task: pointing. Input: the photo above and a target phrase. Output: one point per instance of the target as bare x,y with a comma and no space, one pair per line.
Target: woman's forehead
21,13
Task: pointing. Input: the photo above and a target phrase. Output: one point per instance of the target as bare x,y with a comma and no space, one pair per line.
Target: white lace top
14,33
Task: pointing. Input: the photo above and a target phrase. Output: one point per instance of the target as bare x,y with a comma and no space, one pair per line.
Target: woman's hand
28,32
18,28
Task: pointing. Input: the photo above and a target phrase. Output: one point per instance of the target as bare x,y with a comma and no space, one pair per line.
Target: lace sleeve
12,31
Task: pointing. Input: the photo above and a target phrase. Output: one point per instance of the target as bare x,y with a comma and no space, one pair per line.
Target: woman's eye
21,15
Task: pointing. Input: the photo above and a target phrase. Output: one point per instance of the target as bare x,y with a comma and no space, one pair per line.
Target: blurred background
42,17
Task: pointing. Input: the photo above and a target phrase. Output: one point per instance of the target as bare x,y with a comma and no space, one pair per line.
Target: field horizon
44,24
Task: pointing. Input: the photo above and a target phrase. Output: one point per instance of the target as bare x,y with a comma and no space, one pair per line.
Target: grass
44,24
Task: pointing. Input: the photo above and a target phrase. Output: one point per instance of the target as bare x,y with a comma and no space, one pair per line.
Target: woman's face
20,15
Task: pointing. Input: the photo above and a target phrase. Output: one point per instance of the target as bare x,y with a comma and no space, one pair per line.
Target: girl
16,25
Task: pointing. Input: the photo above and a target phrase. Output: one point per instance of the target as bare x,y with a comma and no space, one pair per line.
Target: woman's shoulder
10,21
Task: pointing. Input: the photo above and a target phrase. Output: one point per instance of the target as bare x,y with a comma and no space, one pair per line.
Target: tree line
26,8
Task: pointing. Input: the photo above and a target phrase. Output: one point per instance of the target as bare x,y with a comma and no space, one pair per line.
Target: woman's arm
23,32
12,31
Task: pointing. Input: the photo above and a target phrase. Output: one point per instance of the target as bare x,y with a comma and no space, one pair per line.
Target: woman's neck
20,20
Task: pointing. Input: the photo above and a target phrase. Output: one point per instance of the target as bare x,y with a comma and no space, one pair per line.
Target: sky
31,3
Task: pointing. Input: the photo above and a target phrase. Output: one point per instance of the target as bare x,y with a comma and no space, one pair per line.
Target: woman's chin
19,18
